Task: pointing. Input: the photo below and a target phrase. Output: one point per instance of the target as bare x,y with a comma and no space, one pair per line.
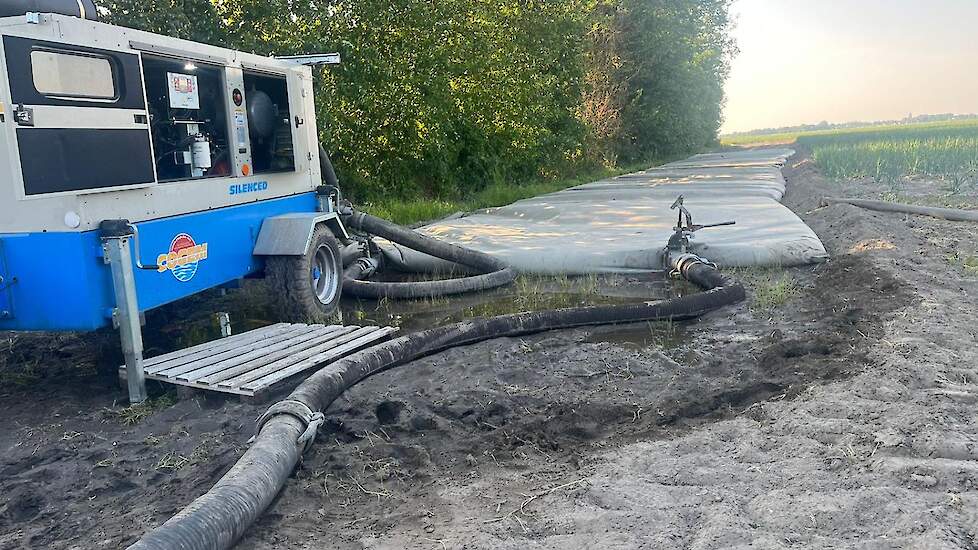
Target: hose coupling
682,262
354,217
310,419
368,266
344,207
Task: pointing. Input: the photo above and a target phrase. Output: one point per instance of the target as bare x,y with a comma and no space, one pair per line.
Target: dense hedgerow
444,98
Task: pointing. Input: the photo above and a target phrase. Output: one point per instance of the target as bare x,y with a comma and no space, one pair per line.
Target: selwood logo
183,257
252,187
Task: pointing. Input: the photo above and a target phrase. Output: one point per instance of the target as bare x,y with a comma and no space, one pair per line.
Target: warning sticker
241,132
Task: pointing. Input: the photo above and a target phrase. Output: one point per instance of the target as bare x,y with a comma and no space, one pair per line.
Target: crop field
945,151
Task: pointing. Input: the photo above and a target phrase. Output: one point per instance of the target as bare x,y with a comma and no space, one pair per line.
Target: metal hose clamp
310,419
684,261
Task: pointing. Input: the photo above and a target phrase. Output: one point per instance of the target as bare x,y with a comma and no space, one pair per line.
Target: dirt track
844,418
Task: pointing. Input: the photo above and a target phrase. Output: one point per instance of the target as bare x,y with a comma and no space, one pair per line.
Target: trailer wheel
310,285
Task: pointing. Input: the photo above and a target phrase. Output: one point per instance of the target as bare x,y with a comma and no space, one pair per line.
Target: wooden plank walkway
253,361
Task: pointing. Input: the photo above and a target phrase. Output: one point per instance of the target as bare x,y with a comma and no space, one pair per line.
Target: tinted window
67,75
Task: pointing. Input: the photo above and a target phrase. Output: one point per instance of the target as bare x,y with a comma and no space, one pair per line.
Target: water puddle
170,328
535,293
641,335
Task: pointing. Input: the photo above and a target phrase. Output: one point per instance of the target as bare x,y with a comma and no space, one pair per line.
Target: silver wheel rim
324,277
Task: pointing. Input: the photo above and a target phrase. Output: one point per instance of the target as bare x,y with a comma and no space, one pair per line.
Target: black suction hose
326,167
494,272
219,517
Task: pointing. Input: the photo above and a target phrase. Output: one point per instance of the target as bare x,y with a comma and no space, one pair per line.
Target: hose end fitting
682,262
354,217
368,266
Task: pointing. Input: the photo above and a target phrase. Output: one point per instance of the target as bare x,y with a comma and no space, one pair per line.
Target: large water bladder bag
621,224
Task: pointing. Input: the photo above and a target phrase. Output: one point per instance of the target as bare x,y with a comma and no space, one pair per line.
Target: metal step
253,361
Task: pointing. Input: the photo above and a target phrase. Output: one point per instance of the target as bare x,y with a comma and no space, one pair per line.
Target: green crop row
887,159
947,151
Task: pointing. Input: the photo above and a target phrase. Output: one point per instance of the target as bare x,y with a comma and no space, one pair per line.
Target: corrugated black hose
494,272
326,167
217,519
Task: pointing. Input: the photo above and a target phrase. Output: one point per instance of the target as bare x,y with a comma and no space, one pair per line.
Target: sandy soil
842,418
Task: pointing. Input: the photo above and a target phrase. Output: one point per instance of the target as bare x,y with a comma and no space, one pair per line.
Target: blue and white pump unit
141,168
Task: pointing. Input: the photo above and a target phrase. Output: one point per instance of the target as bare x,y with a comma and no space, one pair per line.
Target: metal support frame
118,255
224,320
6,281
313,60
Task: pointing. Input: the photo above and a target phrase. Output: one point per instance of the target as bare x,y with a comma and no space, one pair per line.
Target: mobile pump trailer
138,169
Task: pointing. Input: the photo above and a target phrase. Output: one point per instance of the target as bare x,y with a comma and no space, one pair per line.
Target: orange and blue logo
182,259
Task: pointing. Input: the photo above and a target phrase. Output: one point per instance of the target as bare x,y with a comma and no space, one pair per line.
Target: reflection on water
192,321
534,293
641,335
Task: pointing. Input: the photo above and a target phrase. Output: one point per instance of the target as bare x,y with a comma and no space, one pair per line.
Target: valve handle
680,239
697,227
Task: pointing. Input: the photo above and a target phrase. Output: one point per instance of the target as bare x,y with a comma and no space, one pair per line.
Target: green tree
656,73
443,97
196,20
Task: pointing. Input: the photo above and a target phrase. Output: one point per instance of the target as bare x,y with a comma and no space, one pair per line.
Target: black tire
301,297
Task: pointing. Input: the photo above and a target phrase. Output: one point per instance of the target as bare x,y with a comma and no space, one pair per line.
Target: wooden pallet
253,361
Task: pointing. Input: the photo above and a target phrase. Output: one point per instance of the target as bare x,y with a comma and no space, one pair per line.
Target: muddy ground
836,408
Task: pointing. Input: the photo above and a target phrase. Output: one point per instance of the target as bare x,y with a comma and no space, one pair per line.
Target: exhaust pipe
78,8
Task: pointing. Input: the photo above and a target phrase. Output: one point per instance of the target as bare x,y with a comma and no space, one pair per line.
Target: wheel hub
325,280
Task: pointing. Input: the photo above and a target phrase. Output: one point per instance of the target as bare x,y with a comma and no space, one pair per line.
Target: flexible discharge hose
950,214
217,519
326,167
494,273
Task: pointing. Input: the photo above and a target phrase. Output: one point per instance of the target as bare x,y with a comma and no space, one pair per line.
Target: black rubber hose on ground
217,519
494,272
950,214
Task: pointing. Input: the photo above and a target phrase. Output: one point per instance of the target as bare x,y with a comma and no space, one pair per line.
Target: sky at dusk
804,61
